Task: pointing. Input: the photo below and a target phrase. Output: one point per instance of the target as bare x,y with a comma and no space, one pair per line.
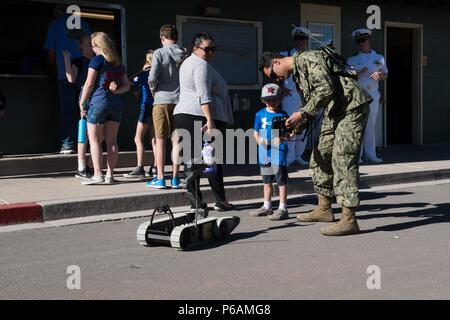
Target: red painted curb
21,213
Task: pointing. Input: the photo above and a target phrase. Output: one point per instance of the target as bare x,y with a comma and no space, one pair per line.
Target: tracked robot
185,230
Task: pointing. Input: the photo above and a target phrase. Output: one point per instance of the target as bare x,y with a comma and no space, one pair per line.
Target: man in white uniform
292,101
371,68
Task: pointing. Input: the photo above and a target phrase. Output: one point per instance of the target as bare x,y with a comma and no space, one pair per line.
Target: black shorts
278,174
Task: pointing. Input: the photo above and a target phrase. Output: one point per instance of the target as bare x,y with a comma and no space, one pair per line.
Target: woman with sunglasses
204,100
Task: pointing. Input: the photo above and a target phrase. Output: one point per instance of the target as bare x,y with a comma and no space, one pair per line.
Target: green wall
31,124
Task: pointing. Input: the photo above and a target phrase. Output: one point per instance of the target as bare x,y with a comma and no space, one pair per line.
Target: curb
78,208
21,213
48,164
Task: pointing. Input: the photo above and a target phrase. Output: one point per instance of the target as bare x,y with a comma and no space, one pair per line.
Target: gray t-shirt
201,84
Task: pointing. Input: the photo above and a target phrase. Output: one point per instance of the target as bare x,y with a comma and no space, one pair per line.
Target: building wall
436,76
31,124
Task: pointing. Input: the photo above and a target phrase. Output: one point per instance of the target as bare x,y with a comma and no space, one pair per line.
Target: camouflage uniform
335,160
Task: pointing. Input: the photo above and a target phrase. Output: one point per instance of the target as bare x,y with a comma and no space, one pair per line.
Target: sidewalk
49,197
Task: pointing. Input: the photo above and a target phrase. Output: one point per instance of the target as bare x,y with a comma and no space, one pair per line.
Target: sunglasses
208,49
300,38
272,74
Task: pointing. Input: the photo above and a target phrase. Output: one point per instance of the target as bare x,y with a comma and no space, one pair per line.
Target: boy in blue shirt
272,153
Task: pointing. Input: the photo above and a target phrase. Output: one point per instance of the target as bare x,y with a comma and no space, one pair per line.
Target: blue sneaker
157,184
176,183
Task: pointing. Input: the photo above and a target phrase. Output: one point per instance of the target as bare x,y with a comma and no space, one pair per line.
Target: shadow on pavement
439,213
246,235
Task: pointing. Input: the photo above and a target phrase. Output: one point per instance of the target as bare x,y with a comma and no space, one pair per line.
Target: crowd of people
178,88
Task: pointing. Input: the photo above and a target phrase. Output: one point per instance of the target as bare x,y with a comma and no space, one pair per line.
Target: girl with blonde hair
145,121
106,81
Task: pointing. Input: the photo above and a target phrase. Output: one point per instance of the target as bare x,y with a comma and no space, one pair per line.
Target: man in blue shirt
59,39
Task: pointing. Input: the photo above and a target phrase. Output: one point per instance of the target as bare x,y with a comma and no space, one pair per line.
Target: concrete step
148,200
57,163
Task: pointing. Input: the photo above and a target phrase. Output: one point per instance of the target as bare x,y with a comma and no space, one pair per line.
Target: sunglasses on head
300,38
208,49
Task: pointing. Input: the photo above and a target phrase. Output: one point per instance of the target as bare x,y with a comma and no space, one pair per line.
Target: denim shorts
145,115
100,115
271,174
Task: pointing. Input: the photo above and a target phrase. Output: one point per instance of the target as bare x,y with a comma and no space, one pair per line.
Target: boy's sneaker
157,184
110,180
176,183
137,173
92,181
262,212
152,172
85,174
224,206
279,215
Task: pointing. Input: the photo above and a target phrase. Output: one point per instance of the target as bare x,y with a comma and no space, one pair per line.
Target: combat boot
323,212
347,226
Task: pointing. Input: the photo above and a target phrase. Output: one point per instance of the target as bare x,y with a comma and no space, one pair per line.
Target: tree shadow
439,213
384,207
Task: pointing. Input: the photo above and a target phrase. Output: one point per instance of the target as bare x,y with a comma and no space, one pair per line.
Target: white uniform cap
361,33
271,91
301,31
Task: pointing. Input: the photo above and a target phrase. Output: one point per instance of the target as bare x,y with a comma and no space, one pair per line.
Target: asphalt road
405,233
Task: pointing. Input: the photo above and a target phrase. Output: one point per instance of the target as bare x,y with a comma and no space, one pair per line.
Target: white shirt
200,84
292,103
374,62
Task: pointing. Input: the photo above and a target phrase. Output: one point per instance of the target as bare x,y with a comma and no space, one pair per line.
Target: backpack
338,64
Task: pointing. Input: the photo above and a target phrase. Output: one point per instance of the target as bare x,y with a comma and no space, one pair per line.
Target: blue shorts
100,115
145,115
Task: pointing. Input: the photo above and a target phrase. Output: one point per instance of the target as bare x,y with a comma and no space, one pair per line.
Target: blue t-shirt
57,40
145,95
270,154
102,97
82,64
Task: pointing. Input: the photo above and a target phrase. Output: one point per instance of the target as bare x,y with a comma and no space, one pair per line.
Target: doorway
403,91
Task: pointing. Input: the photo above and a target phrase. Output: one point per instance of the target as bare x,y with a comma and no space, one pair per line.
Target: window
324,21
321,31
239,46
23,30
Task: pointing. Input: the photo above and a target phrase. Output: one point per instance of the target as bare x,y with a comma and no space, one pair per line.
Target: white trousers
296,147
369,145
